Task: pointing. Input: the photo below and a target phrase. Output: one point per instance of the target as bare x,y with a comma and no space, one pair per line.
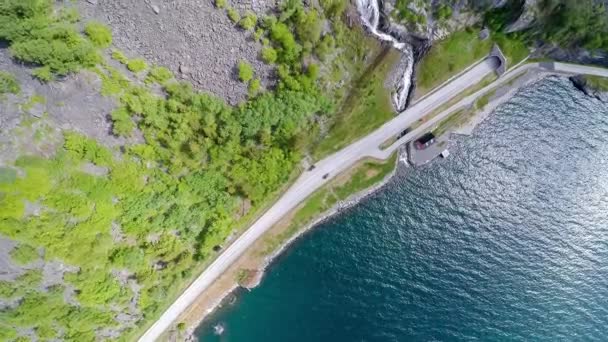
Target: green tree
233,15
308,26
248,21
122,125
245,71
334,8
269,55
254,87
289,49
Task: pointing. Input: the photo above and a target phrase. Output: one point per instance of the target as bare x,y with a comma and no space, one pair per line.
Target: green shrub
269,55
220,3
11,206
334,8
7,333
233,15
325,47
87,149
122,125
119,56
8,84
444,12
69,15
254,87
289,49
245,71
98,33
113,82
44,73
258,34
24,254
308,26
249,21
159,75
137,65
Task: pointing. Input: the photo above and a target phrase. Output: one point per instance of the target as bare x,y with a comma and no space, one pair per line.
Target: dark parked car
425,141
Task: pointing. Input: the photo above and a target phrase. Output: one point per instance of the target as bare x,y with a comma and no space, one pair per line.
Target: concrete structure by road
369,146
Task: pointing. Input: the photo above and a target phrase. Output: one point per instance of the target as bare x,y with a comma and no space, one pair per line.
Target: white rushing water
370,14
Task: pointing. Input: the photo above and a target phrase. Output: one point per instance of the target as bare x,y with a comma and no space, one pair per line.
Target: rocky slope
192,38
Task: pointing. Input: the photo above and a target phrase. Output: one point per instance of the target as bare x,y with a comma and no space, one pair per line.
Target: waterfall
370,15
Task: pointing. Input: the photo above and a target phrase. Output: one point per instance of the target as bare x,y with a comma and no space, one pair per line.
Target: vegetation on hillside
308,60
162,208
462,48
581,23
597,83
47,38
8,84
569,24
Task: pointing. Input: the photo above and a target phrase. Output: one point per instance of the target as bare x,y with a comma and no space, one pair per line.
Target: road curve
310,181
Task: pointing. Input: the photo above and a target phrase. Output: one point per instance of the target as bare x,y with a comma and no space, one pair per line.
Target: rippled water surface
507,239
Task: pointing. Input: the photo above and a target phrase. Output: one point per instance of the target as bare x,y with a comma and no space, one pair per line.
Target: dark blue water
507,239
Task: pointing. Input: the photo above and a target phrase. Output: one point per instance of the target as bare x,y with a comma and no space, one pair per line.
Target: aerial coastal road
369,146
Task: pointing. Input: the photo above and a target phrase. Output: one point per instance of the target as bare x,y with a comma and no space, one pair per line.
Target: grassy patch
459,51
449,57
597,82
367,106
455,119
514,49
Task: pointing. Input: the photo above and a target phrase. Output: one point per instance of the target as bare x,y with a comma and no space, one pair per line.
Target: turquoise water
507,239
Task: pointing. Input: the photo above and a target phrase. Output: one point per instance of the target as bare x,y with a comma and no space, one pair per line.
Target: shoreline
203,308
257,258
508,91
503,94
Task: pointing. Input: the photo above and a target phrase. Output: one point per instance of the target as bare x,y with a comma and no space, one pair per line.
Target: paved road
340,161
